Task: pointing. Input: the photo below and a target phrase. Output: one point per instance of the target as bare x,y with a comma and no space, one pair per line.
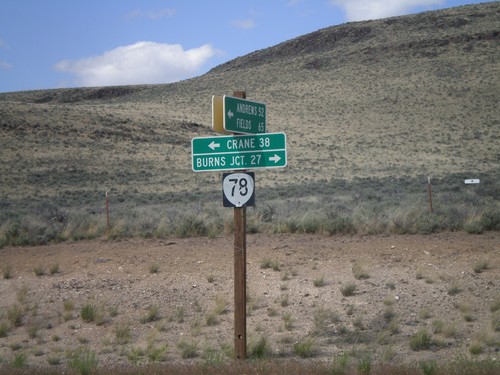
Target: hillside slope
405,96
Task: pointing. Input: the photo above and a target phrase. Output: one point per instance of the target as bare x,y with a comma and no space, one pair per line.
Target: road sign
238,189
236,152
243,116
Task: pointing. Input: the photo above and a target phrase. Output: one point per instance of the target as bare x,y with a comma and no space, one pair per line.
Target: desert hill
400,98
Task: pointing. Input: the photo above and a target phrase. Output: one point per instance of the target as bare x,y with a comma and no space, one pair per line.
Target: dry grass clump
348,289
359,272
481,266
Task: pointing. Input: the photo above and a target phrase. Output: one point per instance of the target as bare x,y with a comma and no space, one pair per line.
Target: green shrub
339,225
495,305
365,364
53,360
306,348
476,348
39,271
188,349
260,348
322,318
156,354
421,340
348,289
359,272
288,321
154,268
4,328
20,360
481,266
495,321
15,315
88,312
428,367
122,334
153,314
490,220
191,226
319,282
82,359
212,319
454,289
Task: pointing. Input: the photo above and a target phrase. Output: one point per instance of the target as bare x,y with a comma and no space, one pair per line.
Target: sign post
252,150
240,275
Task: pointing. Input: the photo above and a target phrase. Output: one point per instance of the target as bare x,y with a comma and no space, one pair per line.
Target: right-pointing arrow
275,158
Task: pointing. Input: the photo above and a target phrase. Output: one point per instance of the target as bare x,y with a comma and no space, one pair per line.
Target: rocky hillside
405,96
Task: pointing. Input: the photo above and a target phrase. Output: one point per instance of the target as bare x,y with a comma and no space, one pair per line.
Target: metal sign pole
240,272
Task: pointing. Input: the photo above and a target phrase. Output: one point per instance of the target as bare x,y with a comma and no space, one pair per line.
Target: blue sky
72,43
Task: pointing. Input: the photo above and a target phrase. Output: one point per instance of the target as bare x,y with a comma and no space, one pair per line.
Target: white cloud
244,24
139,63
151,14
357,10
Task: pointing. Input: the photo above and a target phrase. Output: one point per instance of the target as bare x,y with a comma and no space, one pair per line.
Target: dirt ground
411,283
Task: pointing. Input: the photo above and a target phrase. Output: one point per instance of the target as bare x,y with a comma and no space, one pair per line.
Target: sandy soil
409,284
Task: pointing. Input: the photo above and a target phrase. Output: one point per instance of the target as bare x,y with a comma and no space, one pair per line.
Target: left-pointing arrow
214,145
275,158
230,114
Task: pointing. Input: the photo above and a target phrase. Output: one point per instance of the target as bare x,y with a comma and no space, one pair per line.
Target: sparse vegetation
122,334
188,349
319,282
83,359
20,360
54,268
305,348
348,289
421,340
288,320
220,305
481,266
39,271
454,289
476,348
359,271
15,315
259,348
7,271
154,268
360,188
152,315
4,328
274,264
89,312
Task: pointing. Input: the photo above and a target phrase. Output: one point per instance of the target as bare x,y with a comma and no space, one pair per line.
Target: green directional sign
239,152
243,116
